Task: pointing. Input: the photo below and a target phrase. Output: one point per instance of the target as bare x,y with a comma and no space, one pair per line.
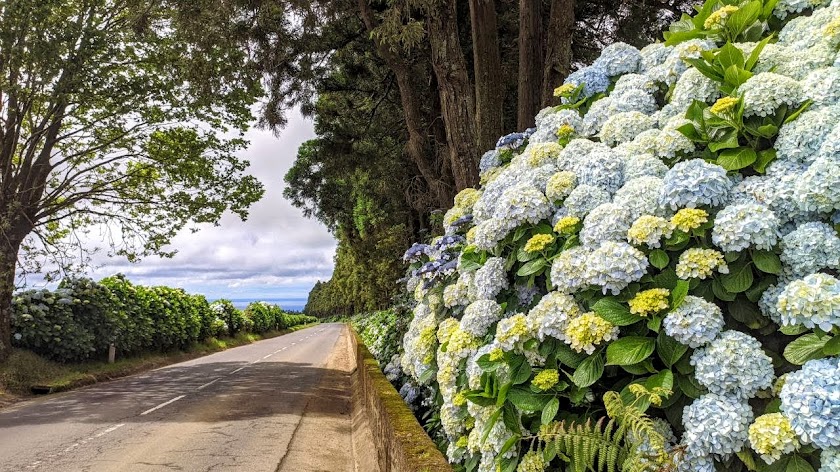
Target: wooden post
112,353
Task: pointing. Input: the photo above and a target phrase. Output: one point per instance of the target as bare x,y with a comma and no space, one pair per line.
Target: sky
276,254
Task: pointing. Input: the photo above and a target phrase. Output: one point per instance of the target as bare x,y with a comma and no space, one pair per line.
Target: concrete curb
404,445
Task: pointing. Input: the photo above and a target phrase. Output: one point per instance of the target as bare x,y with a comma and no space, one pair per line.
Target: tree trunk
487,65
8,264
558,53
530,62
418,147
456,93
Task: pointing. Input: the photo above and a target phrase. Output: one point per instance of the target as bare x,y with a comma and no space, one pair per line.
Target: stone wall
404,445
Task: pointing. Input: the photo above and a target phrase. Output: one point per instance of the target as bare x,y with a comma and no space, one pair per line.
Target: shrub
665,241
231,316
43,322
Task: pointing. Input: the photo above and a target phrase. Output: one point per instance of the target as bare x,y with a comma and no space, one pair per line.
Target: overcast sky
276,254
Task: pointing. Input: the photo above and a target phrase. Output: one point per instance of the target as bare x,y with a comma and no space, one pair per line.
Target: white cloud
277,253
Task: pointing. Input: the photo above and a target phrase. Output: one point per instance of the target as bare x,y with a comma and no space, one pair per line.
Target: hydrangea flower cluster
610,220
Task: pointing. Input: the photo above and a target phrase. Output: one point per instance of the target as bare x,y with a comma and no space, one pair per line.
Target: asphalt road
258,407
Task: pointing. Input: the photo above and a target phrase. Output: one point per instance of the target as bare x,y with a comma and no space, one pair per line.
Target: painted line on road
209,383
109,430
237,370
162,405
266,356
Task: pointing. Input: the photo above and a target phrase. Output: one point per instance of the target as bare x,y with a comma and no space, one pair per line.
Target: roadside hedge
81,318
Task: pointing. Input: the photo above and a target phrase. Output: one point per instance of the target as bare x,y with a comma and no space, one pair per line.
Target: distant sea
293,304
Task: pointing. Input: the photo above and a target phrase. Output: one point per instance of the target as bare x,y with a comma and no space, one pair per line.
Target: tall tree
487,62
558,50
530,62
111,116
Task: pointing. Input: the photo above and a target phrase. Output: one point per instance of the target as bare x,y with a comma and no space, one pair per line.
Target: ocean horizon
291,304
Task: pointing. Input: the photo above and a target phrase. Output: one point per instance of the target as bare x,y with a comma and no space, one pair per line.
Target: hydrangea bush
667,236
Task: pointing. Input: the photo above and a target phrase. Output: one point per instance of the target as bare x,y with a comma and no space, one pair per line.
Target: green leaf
520,373
798,112
679,293
589,371
531,267
747,313
659,258
805,348
490,424
729,55
745,16
720,293
526,400
792,330
663,379
767,262
798,464
753,57
832,347
735,76
550,411
728,140
738,280
765,157
510,417
705,69
669,349
738,158
568,356
695,111
629,350
524,256
615,312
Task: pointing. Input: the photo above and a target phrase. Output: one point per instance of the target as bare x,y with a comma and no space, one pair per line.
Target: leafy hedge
648,280
81,318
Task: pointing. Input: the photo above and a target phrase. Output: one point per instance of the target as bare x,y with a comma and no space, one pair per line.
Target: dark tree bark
456,93
418,147
530,62
558,52
9,247
487,65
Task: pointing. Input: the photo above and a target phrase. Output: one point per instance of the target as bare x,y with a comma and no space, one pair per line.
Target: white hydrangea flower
606,222
643,165
818,189
640,196
624,127
744,225
489,233
615,265
596,116
693,85
568,270
654,54
822,86
604,169
548,123
619,58
632,100
551,315
765,92
813,301
629,82
583,199
522,203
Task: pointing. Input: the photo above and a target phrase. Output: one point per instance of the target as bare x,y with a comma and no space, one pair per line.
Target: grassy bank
26,373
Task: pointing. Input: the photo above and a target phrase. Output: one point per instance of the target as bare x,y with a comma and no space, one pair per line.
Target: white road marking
109,430
266,356
237,370
209,383
162,405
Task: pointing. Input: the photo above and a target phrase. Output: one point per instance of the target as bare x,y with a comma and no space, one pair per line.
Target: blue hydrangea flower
811,302
594,78
716,424
829,460
632,100
733,364
693,85
583,199
624,127
802,138
416,251
479,316
522,203
811,401
694,183
640,196
688,462
823,86
597,116
694,323
604,170
644,165
489,233
489,160
629,82
809,248
548,123
511,141
818,189
619,58
615,265
489,280
744,225
653,55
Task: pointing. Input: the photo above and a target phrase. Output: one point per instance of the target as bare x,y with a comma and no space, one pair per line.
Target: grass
26,373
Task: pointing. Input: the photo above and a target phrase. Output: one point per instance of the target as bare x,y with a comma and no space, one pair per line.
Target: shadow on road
258,390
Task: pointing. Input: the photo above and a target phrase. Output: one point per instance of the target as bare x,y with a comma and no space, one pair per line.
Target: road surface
281,404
